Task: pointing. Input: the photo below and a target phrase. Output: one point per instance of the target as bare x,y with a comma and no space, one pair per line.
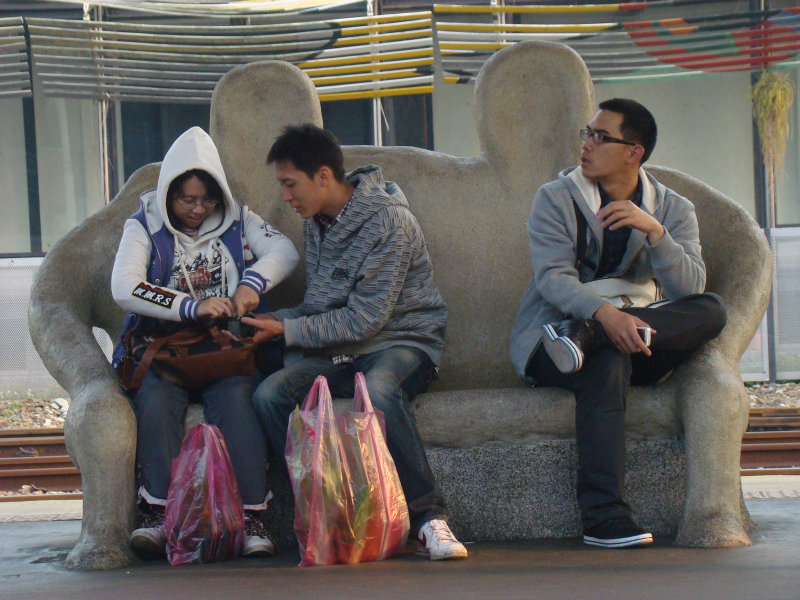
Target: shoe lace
440,529
253,526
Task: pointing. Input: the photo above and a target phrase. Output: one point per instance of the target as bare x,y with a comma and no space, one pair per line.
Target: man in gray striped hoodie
370,306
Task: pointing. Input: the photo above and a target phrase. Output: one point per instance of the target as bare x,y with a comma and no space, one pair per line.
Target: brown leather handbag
192,357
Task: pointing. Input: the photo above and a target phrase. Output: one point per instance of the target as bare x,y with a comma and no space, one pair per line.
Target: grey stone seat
503,454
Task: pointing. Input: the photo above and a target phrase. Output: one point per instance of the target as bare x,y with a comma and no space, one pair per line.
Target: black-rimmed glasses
598,137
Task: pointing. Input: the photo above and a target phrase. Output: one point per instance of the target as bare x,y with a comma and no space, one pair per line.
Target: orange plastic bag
349,504
380,518
204,517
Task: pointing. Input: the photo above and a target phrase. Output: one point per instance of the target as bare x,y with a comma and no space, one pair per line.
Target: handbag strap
144,364
182,336
580,254
223,340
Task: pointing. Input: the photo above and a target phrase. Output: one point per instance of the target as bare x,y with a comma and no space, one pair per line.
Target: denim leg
601,391
394,377
228,405
160,408
278,395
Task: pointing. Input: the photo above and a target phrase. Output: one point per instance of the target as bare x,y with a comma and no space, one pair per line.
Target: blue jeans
394,377
160,407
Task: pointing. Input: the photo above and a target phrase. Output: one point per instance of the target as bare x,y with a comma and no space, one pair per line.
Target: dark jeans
394,377
601,393
160,410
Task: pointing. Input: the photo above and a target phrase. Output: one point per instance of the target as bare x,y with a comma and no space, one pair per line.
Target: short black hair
213,190
308,148
638,124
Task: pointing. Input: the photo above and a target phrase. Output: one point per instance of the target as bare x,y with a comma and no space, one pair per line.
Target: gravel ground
18,411
22,411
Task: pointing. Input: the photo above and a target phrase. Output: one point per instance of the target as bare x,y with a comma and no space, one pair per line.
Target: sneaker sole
421,550
259,552
148,548
634,540
566,356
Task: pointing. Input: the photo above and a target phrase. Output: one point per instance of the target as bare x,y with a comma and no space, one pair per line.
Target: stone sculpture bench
502,453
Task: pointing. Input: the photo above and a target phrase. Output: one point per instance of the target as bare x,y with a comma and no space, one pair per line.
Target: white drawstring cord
182,261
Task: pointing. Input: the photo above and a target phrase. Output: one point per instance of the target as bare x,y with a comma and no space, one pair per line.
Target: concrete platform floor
31,554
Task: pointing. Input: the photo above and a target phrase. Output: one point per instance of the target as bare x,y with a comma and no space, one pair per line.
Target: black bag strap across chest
581,247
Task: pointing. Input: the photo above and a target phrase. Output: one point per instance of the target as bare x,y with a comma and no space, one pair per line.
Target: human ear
324,174
636,153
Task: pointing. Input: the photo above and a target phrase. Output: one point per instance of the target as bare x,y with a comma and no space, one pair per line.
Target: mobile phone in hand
645,334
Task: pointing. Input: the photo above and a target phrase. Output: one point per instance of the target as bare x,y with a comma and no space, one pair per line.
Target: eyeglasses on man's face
598,137
192,201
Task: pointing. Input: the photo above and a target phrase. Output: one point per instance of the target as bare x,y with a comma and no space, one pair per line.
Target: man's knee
270,396
401,374
717,312
385,393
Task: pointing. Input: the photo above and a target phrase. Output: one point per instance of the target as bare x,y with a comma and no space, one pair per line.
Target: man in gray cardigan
607,241
370,306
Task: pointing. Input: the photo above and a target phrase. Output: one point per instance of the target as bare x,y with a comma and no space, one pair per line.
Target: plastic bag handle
324,410
361,400
311,401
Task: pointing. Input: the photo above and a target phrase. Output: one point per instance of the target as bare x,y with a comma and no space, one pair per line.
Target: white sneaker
438,542
149,542
256,545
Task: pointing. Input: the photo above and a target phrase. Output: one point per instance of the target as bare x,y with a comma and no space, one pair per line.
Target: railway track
771,445
38,457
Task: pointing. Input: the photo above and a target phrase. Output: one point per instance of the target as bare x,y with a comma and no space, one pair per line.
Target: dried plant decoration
772,97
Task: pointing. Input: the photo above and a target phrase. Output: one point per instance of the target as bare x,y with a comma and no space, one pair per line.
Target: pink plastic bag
204,518
349,504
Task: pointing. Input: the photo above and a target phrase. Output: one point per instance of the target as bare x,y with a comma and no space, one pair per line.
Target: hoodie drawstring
182,261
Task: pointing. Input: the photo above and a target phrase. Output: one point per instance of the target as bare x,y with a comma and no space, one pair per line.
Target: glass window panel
15,225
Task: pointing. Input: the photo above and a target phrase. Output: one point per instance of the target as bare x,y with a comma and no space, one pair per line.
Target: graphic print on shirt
205,276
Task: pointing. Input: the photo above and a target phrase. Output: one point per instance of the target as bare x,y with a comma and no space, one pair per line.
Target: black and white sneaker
618,532
569,341
257,540
566,355
150,540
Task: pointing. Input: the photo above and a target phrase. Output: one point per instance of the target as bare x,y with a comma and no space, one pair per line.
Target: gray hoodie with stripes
369,279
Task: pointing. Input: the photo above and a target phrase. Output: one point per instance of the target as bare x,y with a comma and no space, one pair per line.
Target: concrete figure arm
70,295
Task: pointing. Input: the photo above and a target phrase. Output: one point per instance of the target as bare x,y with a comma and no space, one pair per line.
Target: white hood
194,149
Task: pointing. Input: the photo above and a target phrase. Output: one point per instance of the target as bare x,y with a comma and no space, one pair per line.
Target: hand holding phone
645,333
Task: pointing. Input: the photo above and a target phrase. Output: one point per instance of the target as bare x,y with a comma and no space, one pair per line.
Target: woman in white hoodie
191,253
